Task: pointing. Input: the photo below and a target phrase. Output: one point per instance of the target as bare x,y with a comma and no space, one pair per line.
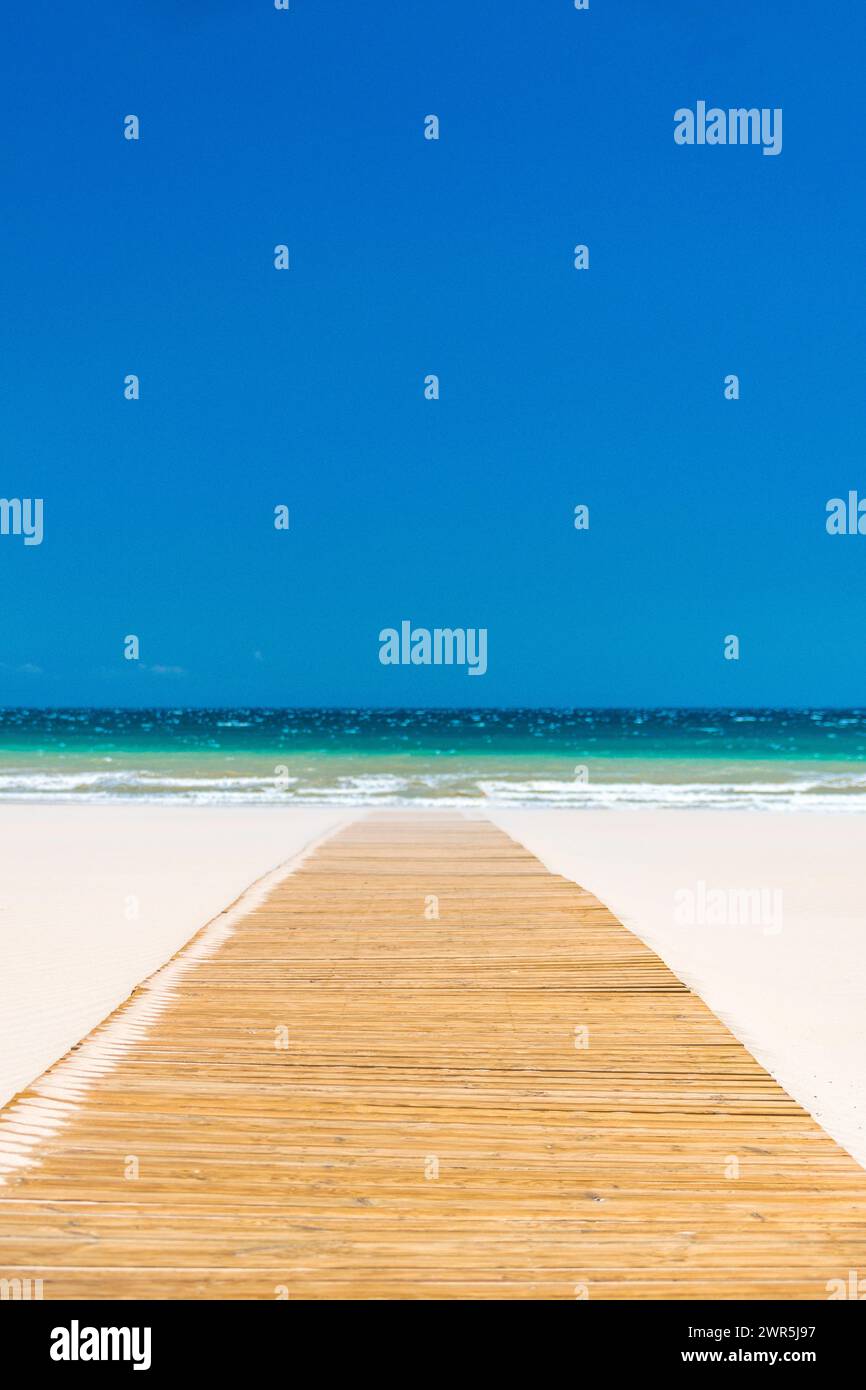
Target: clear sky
411,257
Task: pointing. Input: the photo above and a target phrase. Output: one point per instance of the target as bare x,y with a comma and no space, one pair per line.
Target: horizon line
435,709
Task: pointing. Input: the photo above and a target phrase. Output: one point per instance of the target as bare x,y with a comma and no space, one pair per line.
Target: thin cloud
165,670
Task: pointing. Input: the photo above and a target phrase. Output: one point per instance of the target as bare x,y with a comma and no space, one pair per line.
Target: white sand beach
93,898
796,997
793,989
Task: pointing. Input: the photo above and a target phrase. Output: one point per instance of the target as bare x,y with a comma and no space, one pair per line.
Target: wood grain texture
431,1129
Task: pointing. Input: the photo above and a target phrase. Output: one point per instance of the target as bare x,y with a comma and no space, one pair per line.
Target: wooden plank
430,1129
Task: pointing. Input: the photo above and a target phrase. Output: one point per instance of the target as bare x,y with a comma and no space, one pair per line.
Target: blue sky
408,257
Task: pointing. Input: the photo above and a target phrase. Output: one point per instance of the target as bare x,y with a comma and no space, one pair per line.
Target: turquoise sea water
787,759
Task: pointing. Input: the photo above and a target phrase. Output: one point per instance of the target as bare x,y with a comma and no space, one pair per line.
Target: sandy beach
791,989
336,1093
95,898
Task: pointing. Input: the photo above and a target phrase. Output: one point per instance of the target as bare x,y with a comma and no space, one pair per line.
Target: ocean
604,758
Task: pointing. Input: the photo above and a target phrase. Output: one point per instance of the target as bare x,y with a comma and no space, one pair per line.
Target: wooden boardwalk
344,1096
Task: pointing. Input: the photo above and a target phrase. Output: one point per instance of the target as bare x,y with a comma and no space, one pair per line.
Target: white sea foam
827,791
